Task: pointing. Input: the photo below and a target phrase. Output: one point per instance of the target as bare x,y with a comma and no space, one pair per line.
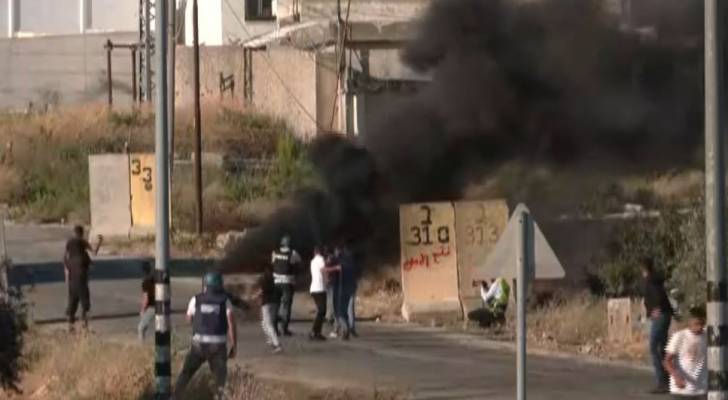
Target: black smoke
554,81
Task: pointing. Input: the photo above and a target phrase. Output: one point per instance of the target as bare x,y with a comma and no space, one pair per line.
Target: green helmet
213,280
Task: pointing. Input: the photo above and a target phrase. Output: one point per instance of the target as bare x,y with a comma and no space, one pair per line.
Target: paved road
428,363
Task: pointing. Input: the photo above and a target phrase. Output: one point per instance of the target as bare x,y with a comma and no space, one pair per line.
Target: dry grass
47,179
63,366
380,296
576,321
10,184
67,367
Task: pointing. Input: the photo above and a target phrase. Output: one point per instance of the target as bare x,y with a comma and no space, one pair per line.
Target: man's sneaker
277,349
316,337
287,333
333,335
354,334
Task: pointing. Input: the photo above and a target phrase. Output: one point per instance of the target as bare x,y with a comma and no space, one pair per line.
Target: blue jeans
341,310
659,328
352,312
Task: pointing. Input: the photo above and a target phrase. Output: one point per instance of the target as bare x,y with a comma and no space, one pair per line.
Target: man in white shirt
686,358
318,292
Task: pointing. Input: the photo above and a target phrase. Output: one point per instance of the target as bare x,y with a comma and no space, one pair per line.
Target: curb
479,342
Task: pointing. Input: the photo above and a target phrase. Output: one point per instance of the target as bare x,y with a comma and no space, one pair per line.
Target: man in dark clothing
266,292
659,311
146,314
76,263
214,335
285,263
344,284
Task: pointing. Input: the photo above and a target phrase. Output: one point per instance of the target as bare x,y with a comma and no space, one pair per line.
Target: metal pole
109,47
148,50
198,121
522,261
714,202
134,83
171,98
162,361
4,260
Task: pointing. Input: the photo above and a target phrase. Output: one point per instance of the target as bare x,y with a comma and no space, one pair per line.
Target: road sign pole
162,359
714,203
522,261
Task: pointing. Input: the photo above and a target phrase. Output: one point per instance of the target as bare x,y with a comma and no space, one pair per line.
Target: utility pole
171,65
717,331
163,328
523,262
198,120
147,50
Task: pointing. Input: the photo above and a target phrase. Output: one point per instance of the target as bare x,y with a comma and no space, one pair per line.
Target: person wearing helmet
213,329
285,263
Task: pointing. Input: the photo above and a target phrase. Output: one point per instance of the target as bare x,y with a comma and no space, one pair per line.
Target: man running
76,264
146,314
686,359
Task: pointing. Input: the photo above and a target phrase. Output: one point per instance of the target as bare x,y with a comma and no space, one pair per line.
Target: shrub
13,325
675,240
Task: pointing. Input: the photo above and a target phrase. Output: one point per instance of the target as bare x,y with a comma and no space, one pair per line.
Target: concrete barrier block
619,320
478,224
109,195
429,262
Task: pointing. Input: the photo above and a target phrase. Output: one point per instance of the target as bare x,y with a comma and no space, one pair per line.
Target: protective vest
282,262
209,324
502,300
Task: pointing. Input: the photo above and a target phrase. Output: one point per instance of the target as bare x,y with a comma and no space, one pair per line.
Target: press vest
209,324
502,300
282,262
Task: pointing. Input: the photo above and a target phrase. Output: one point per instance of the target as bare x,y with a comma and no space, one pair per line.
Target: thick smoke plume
553,81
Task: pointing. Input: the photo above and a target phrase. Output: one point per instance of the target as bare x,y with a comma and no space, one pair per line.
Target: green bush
13,325
676,242
289,171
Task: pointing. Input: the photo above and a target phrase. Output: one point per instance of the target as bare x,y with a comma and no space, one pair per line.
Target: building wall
284,85
359,10
326,91
214,60
209,17
222,22
73,67
62,17
114,15
4,18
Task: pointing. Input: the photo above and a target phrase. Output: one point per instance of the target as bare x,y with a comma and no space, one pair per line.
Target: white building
22,18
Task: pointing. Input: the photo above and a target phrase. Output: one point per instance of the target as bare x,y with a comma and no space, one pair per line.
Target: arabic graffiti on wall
434,241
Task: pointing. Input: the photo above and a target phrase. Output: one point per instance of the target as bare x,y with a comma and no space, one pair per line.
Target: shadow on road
106,269
102,317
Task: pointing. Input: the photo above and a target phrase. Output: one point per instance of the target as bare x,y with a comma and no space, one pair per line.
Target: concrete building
53,50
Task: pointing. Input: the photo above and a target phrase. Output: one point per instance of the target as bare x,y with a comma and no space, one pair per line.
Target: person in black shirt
659,311
266,292
76,263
